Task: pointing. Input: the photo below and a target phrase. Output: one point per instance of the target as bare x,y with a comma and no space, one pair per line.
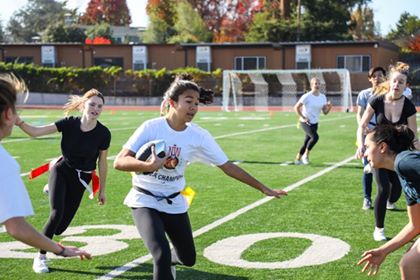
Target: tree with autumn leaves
113,12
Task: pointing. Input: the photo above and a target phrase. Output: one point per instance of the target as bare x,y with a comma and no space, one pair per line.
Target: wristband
61,253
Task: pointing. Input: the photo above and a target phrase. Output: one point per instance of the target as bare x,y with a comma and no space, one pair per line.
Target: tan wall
23,50
176,56
168,56
70,56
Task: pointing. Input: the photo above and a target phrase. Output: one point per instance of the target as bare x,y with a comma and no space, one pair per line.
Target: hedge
111,81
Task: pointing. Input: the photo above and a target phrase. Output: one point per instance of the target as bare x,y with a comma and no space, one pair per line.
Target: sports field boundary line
122,269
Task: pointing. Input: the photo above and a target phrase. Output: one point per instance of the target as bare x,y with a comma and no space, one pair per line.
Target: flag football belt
46,167
158,197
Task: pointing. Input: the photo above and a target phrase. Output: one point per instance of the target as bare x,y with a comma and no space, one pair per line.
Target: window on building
204,66
109,61
250,62
354,63
19,59
139,66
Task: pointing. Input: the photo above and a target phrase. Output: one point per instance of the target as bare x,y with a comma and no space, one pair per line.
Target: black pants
389,188
65,192
311,136
153,227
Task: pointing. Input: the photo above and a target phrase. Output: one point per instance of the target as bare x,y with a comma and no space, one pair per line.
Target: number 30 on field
228,251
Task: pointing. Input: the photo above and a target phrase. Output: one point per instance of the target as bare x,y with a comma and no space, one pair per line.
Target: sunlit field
323,205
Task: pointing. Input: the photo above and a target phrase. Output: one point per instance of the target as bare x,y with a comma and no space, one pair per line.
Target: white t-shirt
408,93
312,106
14,199
194,144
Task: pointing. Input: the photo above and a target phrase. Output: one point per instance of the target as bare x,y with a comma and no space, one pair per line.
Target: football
145,151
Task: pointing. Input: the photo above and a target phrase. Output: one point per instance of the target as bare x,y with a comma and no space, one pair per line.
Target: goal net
260,89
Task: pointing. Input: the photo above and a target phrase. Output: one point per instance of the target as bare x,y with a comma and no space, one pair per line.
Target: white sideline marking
120,270
273,128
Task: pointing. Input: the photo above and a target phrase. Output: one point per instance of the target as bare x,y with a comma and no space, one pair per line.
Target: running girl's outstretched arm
241,175
36,131
361,130
103,172
374,258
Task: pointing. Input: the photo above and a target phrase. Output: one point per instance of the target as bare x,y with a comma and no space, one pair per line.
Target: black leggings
311,136
152,226
389,188
65,192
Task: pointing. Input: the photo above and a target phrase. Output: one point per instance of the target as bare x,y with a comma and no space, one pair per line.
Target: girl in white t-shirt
309,108
15,204
158,208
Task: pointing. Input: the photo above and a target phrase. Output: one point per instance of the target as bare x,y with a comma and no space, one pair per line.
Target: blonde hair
400,67
10,86
76,102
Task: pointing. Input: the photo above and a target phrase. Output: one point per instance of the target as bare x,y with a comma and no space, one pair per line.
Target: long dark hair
184,82
398,138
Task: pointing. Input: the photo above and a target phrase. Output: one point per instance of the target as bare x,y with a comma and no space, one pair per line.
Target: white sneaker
391,206
367,204
379,234
305,160
367,169
298,162
173,271
46,189
40,264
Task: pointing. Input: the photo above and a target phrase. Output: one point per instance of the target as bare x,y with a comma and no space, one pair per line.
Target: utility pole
298,31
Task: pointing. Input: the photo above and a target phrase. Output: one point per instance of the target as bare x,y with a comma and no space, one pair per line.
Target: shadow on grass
145,271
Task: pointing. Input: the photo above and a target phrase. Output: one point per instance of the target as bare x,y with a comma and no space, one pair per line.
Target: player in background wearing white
391,148
390,106
308,108
157,207
15,204
376,76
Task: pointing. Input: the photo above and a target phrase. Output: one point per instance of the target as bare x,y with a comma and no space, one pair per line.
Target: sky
387,12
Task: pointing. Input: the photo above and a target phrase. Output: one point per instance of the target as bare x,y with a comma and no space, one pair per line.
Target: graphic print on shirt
173,159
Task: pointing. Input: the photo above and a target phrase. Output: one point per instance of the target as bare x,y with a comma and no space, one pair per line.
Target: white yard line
274,127
120,270
217,137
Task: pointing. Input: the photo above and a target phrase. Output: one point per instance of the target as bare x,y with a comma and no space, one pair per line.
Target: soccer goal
260,89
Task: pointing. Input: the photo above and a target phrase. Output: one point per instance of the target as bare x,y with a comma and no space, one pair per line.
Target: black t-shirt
81,149
407,166
377,103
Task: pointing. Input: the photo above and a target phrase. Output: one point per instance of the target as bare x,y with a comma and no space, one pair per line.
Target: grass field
327,204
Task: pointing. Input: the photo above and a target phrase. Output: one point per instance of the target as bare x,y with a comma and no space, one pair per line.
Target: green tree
189,26
363,25
63,33
318,20
2,37
162,16
405,32
408,25
32,19
266,27
100,30
157,32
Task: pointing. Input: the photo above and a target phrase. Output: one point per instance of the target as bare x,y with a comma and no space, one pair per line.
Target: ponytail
398,138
